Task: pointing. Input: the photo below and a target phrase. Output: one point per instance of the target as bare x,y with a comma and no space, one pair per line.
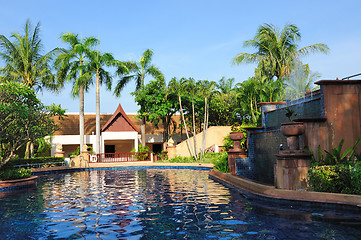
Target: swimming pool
157,204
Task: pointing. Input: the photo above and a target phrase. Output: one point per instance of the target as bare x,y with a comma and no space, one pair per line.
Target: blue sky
195,39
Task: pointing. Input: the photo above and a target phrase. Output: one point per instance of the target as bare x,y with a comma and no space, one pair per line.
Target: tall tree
177,87
138,72
159,104
72,65
97,64
205,90
276,50
224,109
26,62
23,118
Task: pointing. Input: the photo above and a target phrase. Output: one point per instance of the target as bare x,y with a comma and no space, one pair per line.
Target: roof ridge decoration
117,114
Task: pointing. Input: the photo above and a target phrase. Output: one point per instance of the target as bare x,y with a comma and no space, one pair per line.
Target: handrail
124,157
38,164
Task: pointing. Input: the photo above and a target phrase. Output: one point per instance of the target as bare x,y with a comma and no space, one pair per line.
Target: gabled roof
119,122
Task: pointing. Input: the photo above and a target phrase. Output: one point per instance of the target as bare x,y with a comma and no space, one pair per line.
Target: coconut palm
177,88
138,72
206,90
72,65
277,50
97,64
25,61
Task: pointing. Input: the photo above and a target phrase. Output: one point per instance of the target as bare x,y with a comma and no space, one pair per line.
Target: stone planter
10,185
236,137
292,130
236,151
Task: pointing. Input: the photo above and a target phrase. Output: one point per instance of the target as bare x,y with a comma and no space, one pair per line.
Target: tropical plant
205,90
336,156
277,50
97,64
138,72
159,104
25,61
23,118
290,114
224,108
72,65
177,87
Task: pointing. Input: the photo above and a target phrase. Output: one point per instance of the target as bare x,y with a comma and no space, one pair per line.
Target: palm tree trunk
97,116
142,130
185,127
205,123
81,116
194,130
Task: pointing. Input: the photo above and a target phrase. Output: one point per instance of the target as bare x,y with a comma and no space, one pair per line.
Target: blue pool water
159,204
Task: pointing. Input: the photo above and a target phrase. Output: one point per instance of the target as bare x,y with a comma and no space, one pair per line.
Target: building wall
121,145
215,136
342,100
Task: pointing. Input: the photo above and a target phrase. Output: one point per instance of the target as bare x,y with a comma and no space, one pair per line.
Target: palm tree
192,88
206,90
72,66
177,87
277,50
139,70
96,64
25,62
226,86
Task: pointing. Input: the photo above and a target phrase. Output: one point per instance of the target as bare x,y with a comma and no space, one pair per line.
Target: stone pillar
291,169
293,163
236,152
232,156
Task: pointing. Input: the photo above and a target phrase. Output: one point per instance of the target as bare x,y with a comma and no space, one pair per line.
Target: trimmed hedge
12,174
21,161
336,178
220,160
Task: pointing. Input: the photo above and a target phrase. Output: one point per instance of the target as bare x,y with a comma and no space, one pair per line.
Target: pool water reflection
155,204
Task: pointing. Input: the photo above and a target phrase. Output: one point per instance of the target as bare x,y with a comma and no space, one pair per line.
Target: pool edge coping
282,194
100,166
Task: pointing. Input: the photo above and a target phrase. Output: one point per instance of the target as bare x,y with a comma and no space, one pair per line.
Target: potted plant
292,130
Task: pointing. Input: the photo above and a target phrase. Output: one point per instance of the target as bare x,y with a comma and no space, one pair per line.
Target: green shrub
142,153
220,160
221,163
12,174
336,178
21,161
77,151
